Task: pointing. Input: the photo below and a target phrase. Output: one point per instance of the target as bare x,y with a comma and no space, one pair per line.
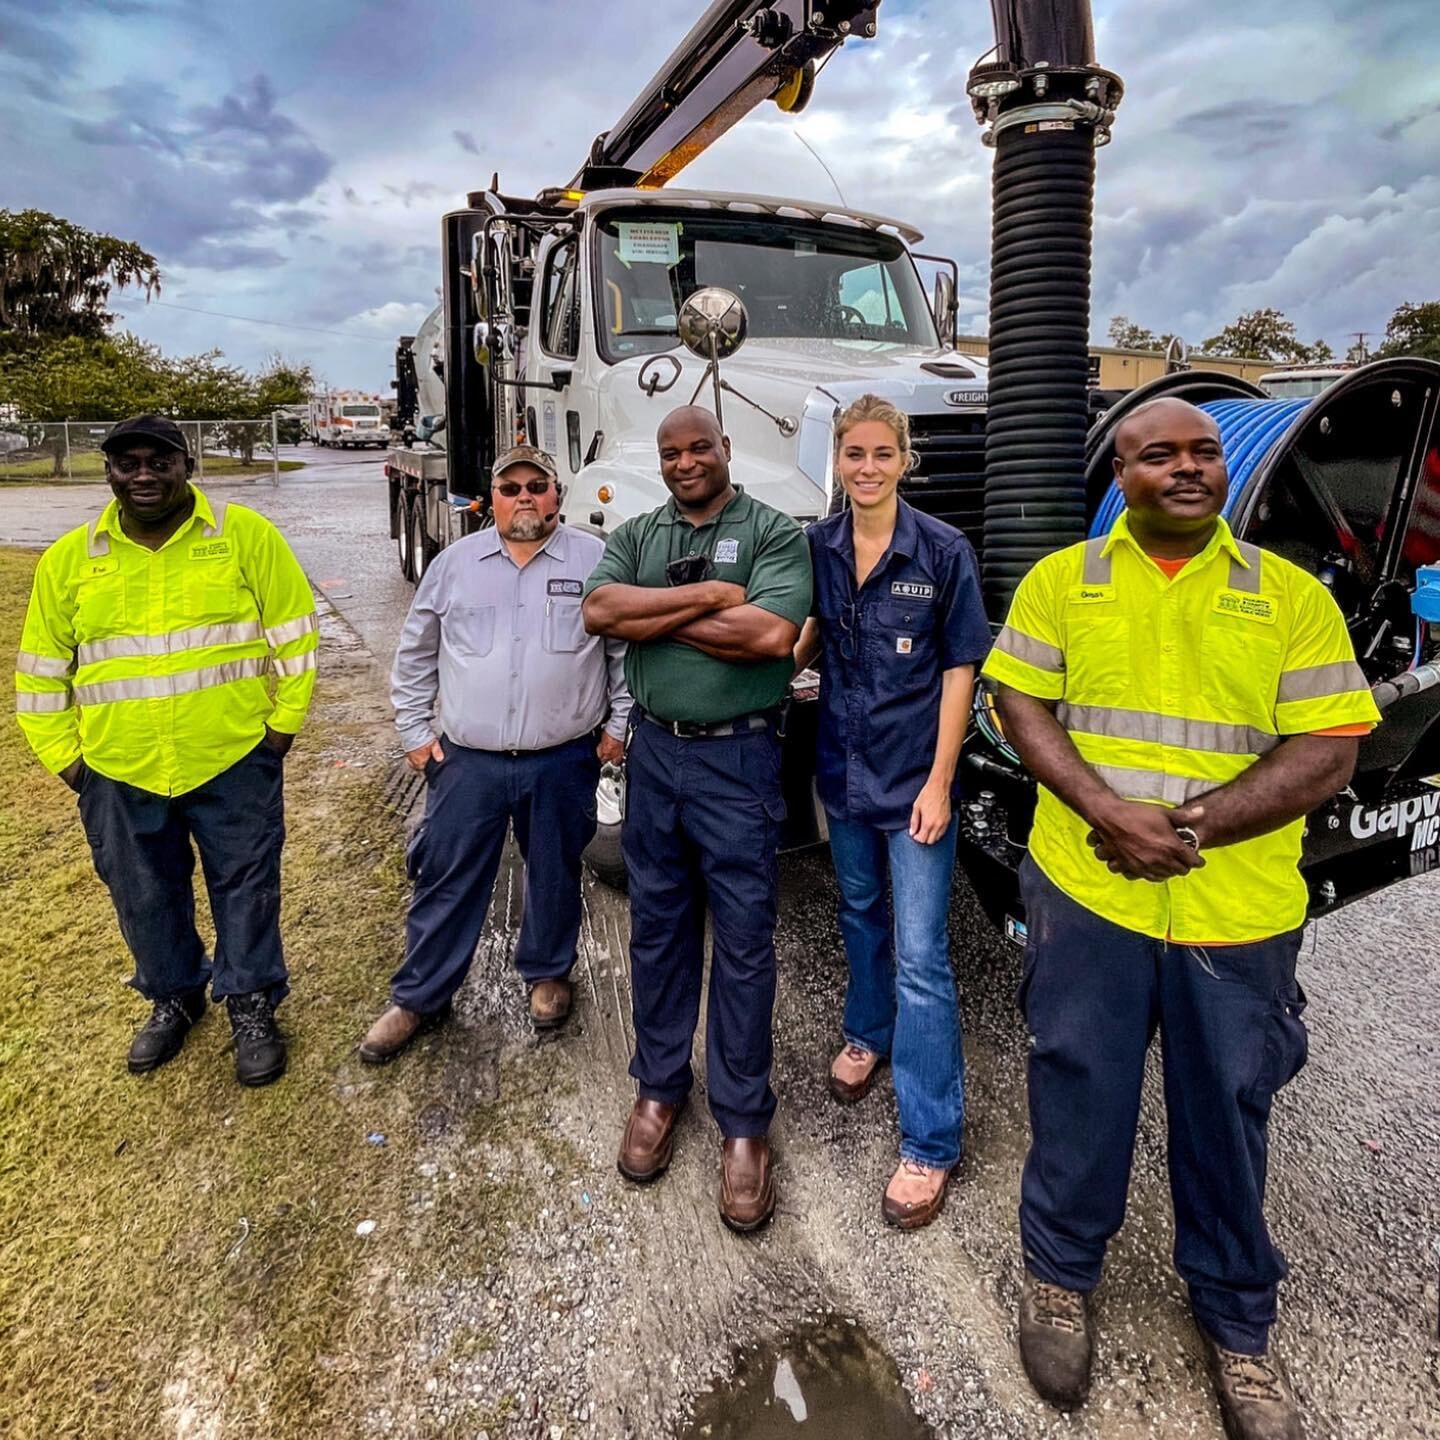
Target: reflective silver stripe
294,664
160,687
291,629
1152,785
44,702
218,508
1097,569
1241,579
96,544
1031,651
45,666
1315,682
1213,736
127,647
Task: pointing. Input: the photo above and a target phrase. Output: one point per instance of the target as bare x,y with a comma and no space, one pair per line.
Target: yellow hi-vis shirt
1170,688
153,664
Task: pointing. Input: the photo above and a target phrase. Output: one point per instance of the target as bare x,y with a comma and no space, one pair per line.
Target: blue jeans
901,1000
1229,1018
473,797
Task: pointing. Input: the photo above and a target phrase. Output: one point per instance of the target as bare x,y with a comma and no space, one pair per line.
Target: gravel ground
613,1308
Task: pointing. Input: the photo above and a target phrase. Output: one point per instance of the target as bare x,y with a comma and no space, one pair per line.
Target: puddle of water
825,1380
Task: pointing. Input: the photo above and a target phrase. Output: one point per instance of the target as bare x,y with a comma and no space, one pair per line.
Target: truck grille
949,478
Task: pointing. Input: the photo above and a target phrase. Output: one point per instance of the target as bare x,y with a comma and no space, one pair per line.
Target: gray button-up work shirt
497,656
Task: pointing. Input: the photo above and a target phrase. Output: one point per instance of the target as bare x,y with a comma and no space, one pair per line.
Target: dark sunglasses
511,488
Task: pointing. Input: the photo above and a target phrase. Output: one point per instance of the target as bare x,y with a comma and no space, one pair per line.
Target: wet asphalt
1355,1158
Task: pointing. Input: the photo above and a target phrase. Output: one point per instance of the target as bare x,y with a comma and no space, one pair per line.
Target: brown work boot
1256,1401
550,1003
914,1196
394,1030
852,1073
747,1184
649,1140
1055,1342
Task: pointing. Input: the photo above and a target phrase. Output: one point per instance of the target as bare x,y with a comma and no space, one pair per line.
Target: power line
255,320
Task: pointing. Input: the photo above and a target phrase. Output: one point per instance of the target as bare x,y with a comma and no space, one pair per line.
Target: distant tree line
1414,329
59,359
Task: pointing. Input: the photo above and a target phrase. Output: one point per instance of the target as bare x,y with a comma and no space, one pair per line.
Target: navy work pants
142,848
1093,995
702,824
472,799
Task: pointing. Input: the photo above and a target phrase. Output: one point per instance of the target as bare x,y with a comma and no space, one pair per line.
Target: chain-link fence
224,450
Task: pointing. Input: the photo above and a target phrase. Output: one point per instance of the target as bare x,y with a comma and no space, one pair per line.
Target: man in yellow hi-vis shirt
141,682
1184,700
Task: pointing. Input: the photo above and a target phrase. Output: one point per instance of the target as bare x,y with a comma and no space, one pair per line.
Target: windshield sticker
649,242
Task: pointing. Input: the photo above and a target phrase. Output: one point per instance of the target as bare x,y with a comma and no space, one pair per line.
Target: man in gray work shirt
495,643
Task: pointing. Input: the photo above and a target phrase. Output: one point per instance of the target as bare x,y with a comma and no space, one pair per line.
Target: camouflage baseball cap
525,455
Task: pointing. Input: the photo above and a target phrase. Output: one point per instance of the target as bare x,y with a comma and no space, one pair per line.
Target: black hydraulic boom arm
738,54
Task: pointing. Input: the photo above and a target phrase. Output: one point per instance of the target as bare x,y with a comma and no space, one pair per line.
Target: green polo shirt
749,543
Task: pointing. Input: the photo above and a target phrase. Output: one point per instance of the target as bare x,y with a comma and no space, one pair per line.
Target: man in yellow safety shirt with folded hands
1184,700
142,681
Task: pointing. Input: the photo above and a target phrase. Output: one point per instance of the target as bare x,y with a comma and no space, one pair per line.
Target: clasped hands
1141,842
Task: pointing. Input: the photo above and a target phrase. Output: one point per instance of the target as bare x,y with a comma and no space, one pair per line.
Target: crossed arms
712,616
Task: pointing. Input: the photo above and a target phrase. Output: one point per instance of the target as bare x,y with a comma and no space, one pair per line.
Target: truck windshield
798,279
360,412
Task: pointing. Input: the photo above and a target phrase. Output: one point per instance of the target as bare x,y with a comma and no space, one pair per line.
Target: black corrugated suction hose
1043,189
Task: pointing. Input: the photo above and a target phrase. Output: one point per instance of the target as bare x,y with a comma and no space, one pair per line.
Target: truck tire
602,855
422,548
604,861
403,536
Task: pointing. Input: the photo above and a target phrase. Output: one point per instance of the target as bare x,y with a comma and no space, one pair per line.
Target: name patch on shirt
564,587
1259,608
912,590
94,569
1092,594
210,550
727,552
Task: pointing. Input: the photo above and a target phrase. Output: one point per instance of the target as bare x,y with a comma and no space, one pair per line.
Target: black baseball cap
145,427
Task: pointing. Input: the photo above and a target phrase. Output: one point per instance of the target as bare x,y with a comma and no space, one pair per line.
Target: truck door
558,420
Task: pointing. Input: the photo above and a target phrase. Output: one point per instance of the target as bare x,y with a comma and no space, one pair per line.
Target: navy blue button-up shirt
885,646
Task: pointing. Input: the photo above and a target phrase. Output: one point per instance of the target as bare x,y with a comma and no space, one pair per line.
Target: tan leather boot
852,1073
914,1196
550,1002
393,1031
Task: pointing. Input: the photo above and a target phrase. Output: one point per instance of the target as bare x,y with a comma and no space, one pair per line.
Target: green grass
90,465
178,1253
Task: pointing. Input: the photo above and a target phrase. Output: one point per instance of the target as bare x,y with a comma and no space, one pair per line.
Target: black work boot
259,1046
1055,1342
1256,1401
159,1039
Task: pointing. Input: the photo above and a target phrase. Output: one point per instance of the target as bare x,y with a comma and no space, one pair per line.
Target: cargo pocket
1287,1045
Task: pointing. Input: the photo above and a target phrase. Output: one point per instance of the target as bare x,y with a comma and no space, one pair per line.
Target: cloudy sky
288,160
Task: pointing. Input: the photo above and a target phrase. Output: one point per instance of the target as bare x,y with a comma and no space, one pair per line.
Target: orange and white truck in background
347,417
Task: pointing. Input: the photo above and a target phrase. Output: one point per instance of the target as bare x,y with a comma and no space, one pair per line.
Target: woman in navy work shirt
900,628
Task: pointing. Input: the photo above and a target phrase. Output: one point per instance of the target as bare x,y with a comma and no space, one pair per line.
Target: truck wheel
403,536
602,855
422,548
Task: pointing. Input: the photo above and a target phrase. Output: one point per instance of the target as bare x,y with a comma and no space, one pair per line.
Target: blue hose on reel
1249,431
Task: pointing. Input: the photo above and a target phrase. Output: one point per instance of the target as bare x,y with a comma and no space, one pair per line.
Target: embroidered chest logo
912,590
727,552
904,645
210,550
564,587
1244,606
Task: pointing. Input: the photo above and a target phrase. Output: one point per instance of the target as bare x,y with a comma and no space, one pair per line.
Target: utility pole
1360,350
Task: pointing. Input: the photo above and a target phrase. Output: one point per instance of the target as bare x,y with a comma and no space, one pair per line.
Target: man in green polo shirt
710,591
